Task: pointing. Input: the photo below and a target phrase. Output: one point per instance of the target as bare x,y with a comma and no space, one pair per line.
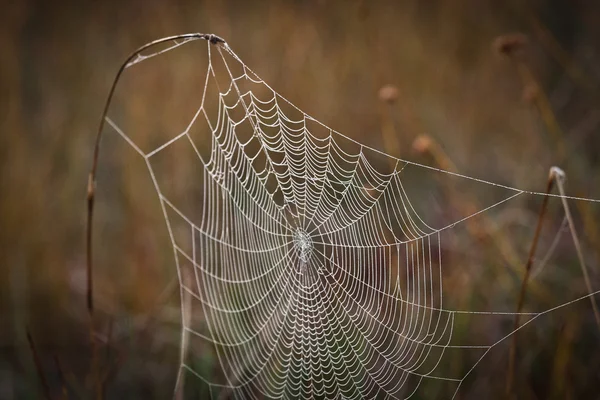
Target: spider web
305,268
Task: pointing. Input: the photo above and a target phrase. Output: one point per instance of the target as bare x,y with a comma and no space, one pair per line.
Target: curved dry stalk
133,58
556,176
521,300
91,188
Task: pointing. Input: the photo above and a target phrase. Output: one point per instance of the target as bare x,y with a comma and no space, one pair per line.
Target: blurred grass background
449,85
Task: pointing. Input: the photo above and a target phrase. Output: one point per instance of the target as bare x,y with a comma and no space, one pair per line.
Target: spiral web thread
314,275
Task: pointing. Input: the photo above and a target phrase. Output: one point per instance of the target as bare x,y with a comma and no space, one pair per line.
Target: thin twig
521,300
560,184
38,366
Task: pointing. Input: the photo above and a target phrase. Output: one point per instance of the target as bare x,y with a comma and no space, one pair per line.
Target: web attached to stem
307,269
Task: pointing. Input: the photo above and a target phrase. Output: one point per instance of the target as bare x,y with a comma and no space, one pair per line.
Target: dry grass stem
521,299
388,94
91,193
560,178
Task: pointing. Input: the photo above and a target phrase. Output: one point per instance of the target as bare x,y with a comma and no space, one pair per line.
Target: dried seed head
388,94
422,144
509,44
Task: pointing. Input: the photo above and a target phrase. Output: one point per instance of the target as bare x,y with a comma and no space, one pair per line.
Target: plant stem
560,184
521,300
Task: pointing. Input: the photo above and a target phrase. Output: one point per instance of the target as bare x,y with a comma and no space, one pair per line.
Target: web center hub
303,244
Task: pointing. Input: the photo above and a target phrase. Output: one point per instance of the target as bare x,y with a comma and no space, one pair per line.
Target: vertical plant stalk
560,178
38,366
389,95
523,291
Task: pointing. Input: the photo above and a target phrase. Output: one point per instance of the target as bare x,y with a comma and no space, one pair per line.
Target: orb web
308,270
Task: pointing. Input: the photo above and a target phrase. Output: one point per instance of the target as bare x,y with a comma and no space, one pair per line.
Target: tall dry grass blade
523,291
38,365
389,95
560,178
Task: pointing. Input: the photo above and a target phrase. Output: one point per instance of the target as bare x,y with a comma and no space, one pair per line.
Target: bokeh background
496,90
